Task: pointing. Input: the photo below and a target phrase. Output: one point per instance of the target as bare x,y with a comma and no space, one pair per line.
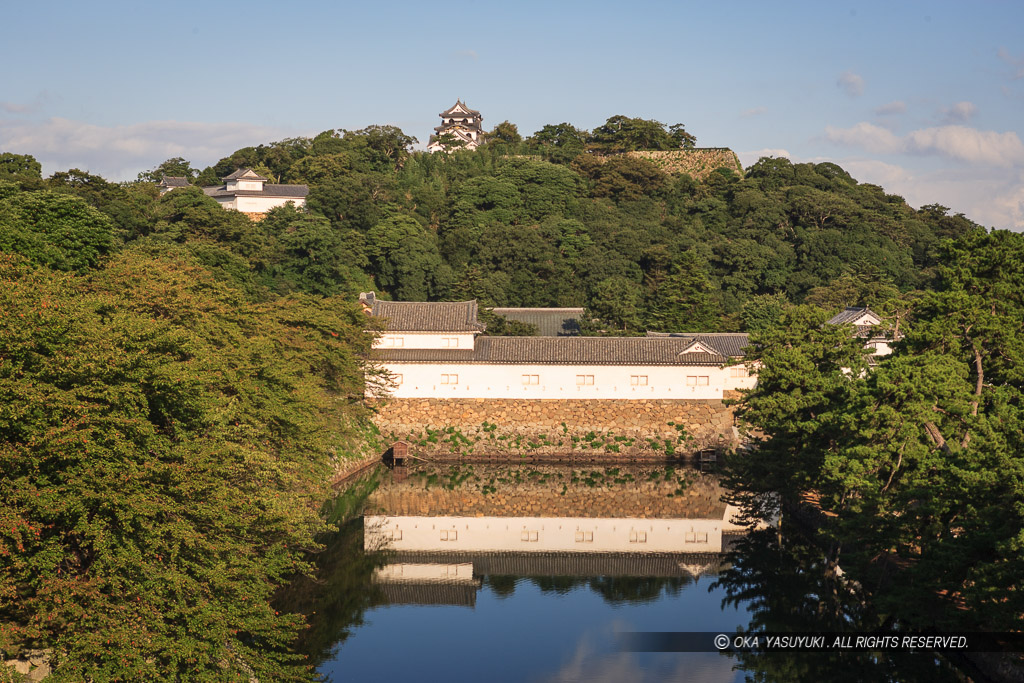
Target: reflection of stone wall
550,491
598,427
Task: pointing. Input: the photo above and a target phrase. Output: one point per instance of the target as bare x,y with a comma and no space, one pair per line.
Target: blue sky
925,99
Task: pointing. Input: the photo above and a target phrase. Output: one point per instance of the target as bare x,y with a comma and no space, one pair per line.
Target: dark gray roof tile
173,181
562,351
241,172
269,190
420,316
850,314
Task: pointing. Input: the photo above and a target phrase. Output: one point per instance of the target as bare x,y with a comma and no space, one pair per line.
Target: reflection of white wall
425,573
480,380
544,534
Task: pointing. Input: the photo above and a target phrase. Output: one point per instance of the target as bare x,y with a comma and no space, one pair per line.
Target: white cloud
961,112
468,54
37,103
852,84
750,158
993,197
981,147
121,152
756,111
866,136
895,107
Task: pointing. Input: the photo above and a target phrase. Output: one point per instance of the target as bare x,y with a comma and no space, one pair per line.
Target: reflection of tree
502,586
787,587
614,589
557,584
619,589
335,601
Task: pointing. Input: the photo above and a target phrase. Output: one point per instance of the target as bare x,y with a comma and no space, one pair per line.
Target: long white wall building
434,350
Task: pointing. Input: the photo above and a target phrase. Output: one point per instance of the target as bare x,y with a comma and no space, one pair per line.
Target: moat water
537,573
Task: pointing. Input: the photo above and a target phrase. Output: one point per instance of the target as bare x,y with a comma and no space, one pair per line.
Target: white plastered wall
424,340
519,381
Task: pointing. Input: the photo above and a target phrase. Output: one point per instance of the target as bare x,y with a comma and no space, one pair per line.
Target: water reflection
630,535
529,573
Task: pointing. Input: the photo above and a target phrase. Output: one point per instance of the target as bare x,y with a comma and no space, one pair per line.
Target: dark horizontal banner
766,641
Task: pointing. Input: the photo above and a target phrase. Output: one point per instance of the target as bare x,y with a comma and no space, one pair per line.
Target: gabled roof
550,322
732,344
855,315
421,316
246,173
459,107
173,181
565,351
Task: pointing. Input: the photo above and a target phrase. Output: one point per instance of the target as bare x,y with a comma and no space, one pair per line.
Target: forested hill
177,380
566,218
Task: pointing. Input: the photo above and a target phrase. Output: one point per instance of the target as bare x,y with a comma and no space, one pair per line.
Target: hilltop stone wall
698,163
597,427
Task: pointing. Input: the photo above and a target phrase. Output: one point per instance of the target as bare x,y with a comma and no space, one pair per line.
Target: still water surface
529,573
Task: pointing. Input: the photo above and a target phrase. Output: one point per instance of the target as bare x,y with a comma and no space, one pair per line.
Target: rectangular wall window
449,535
584,536
531,379
702,380
584,380
697,380
638,380
529,536
449,379
738,371
450,342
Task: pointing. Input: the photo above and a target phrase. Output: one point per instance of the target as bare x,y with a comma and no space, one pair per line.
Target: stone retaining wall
597,426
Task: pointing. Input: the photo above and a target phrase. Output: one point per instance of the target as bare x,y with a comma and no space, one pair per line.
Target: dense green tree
308,255
681,299
916,463
20,165
54,229
176,167
404,260
623,134
559,143
165,448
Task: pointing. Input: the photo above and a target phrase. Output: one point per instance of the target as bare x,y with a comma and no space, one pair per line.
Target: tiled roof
550,322
851,314
458,104
562,351
242,172
420,316
269,190
173,181
730,344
